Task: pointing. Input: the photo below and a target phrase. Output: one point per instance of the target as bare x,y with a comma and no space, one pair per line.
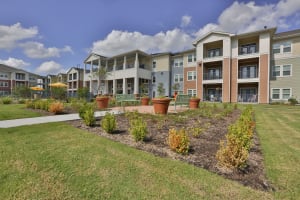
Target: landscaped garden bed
205,128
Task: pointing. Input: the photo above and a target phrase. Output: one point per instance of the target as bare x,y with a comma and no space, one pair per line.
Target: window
281,71
287,47
70,76
74,76
276,71
191,75
286,93
192,92
154,64
284,47
191,58
20,76
281,93
286,70
275,93
3,84
178,78
248,48
153,79
178,62
248,72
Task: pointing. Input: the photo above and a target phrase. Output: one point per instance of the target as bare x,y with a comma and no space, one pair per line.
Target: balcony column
91,77
114,87
84,71
124,86
136,78
124,63
136,61
98,77
136,85
115,64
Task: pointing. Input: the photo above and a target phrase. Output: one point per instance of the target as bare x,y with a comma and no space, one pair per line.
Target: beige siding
292,81
162,63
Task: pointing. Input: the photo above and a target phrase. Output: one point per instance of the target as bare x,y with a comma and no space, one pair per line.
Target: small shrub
138,129
6,100
108,123
292,101
56,107
89,117
83,108
196,131
21,101
178,141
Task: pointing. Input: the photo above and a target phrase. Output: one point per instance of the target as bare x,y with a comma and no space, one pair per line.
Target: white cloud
38,50
185,20
244,17
121,41
49,67
14,62
239,17
10,35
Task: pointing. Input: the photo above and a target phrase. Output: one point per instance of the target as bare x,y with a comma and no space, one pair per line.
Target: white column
115,64
136,85
98,77
114,86
84,71
91,78
136,61
124,63
106,87
124,86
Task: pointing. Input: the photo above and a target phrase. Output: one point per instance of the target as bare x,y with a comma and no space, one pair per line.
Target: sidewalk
47,119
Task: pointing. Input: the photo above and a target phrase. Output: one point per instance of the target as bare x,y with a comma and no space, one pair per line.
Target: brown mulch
203,148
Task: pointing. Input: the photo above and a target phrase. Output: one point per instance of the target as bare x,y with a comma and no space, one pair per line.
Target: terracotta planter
194,103
161,105
102,102
145,101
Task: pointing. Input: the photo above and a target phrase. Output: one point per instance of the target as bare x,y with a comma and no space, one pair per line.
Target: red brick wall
234,77
226,80
263,78
188,84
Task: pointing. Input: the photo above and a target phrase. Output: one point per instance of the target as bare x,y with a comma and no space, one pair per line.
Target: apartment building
125,73
74,80
255,67
11,78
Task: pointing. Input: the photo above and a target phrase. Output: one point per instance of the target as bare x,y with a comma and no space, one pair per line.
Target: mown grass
57,161
278,128
16,111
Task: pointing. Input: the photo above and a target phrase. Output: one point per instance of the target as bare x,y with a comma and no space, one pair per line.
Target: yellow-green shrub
178,141
108,123
56,107
138,129
89,117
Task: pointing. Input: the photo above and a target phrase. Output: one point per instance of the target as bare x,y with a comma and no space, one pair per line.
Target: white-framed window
153,64
191,58
282,47
3,76
3,84
178,78
191,75
281,93
178,62
192,92
282,70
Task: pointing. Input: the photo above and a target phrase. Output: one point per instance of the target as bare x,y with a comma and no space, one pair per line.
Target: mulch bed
203,148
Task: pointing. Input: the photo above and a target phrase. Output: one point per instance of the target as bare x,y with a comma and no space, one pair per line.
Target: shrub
88,117
292,101
21,101
6,100
138,129
56,107
83,108
178,141
196,131
108,123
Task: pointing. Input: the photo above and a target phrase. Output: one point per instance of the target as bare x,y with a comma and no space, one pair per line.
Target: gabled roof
76,68
208,34
6,68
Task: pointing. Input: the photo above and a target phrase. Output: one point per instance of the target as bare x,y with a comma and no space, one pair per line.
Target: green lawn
16,111
279,131
57,161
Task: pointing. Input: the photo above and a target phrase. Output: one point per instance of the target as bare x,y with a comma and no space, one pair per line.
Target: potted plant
194,102
161,103
144,98
102,100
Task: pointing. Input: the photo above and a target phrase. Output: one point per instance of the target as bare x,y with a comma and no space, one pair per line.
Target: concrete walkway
47,119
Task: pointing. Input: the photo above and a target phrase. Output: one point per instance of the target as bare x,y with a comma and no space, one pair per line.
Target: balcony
248,51
247,98
248,74
212,76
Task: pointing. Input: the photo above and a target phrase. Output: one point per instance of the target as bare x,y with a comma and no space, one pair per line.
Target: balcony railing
243,75
212,76
248,50
250,98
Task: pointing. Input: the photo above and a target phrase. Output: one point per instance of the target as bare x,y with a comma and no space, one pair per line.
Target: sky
51,36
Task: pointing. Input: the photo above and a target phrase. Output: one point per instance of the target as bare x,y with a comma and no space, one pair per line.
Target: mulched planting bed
203,148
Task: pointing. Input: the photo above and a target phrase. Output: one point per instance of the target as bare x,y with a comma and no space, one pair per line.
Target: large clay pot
161,105
194,103
145,101
102,102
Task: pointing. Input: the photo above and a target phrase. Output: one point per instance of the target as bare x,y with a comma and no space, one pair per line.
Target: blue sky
50,36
